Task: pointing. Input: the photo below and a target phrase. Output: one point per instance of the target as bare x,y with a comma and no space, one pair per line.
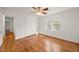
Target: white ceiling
51,10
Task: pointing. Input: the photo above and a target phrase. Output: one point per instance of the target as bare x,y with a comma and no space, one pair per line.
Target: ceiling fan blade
44,12
38,7
45,9
34,8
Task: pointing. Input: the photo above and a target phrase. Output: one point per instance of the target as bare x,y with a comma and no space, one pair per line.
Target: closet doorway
9,24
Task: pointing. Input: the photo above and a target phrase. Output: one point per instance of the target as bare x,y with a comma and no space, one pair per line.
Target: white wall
69,27
25,24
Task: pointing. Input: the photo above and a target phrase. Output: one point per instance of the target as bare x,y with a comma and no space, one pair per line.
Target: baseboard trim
26,36
58,38
48,36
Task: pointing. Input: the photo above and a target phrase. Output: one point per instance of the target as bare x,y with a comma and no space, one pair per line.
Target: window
53,24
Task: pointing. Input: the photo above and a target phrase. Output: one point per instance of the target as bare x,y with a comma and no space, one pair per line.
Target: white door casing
1,28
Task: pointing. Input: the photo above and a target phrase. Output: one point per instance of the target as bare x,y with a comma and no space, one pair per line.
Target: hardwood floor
43,43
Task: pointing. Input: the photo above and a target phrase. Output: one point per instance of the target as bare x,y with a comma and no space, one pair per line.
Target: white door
1,28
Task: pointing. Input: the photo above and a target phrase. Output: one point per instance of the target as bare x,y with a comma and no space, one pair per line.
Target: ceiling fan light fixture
40,10
39,13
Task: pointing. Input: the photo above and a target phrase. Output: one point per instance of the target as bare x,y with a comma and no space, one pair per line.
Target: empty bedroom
39,29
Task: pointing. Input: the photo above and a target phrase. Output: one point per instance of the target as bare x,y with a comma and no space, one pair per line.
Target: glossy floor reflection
42,43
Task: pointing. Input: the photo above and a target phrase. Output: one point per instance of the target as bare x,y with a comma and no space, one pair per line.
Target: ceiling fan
40,10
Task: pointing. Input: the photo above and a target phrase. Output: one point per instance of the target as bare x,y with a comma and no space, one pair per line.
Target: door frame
4,23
